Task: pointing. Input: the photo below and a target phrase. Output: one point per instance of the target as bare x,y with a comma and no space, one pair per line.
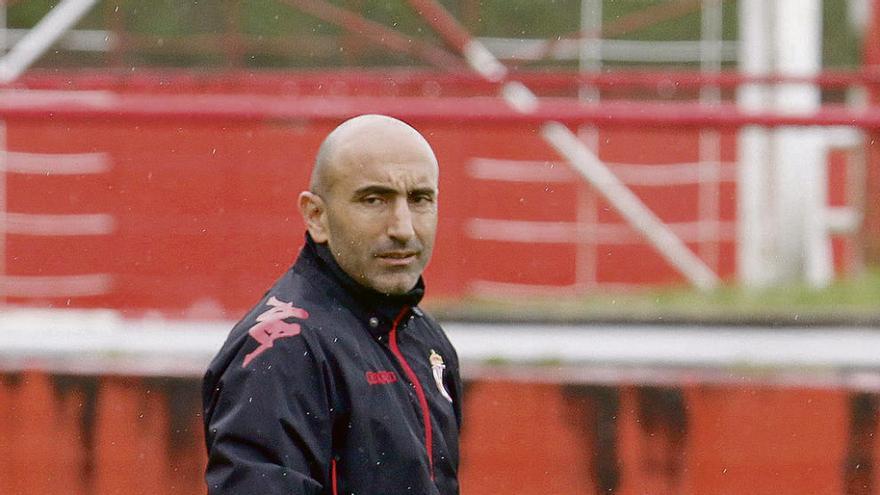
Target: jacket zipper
420,392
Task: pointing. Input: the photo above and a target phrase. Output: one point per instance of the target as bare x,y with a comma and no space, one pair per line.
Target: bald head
373,201
366,137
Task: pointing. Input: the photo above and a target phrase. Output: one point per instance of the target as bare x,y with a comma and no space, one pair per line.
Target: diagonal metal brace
567,144
35,43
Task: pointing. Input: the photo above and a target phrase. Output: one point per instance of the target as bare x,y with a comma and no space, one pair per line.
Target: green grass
855,300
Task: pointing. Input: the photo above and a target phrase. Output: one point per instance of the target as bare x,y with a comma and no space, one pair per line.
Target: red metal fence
183,188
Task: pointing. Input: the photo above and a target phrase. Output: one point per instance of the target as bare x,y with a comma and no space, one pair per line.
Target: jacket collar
377,310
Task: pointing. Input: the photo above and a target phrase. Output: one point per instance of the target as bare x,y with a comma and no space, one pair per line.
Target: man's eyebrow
374,189
423,191
385,190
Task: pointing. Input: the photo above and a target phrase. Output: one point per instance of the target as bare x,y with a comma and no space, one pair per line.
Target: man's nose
400,225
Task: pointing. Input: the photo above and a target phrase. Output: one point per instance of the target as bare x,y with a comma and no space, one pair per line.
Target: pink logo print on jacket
271,326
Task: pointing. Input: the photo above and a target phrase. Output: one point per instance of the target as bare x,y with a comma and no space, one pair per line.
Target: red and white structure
607,186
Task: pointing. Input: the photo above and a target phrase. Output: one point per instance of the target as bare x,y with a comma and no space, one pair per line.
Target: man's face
381,215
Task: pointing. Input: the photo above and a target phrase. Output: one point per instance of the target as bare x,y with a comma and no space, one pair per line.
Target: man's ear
314,213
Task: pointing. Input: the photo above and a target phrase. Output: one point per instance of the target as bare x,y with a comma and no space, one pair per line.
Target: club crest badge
437,368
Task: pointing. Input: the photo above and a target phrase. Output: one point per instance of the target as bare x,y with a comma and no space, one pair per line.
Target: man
336,382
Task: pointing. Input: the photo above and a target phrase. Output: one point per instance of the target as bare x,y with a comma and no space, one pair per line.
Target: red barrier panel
109,435
189,206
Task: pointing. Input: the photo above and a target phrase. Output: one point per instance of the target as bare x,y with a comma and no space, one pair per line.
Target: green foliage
686,27
270,18
28,13
529,19
174,18
840,44
265,20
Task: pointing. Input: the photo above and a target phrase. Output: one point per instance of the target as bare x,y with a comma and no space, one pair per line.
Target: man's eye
373,200
422,199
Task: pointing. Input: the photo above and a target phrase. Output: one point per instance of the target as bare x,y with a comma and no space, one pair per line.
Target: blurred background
658,254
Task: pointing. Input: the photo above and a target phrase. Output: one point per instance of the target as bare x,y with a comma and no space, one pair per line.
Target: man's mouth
398,258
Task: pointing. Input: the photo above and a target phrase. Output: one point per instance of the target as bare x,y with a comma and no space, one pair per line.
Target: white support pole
711,30
61,18
590,53
712,17
799,154
754,249
590,61
819,254
782,210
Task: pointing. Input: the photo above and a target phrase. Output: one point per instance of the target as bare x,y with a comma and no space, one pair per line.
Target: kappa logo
271,326
380,377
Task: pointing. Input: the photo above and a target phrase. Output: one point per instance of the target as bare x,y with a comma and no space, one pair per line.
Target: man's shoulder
285,315
294,298
429,320
436,330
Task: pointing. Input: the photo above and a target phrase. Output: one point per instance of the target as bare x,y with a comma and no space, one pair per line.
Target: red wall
205,215
129,435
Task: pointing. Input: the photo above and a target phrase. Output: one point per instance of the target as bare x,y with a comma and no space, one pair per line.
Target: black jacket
327,387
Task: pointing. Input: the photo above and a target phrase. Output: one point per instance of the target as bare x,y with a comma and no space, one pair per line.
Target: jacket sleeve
268,425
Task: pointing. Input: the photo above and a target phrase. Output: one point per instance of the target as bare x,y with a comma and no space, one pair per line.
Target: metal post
753,179
710,139
590,55
799,155
783,235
